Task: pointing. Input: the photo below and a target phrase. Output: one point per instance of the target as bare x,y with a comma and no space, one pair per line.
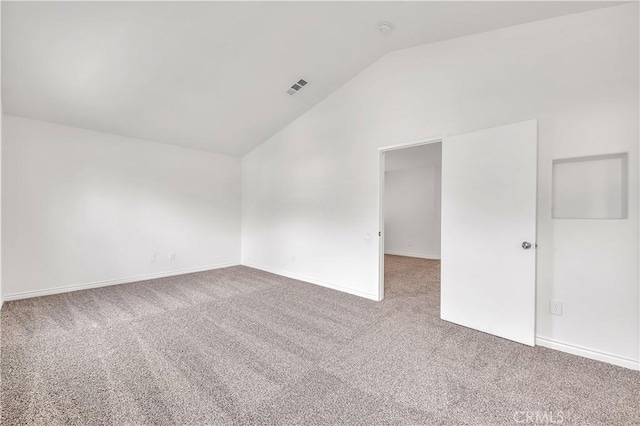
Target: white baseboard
588,353
312,281
105,283
418,255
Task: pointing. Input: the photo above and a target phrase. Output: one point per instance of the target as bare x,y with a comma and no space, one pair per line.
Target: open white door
489,230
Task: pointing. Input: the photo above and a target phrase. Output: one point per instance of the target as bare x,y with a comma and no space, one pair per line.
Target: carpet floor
240,346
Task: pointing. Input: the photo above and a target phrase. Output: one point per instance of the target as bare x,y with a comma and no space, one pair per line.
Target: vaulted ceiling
213,75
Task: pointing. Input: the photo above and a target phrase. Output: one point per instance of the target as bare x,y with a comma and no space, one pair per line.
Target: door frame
381,169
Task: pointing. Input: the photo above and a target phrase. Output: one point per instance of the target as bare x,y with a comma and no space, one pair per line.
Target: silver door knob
526,245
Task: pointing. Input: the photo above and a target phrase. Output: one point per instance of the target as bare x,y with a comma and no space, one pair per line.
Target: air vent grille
296,87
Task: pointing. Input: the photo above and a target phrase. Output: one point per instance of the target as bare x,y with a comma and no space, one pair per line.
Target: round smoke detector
384,28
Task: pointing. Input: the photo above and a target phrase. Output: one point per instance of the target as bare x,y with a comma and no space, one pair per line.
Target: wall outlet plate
555,307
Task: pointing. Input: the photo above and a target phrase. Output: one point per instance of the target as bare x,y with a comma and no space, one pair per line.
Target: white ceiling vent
296,87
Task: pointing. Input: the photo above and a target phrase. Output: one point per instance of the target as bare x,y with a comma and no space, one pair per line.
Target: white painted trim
381,159
411,144
418,255
105,283
588,353
311,281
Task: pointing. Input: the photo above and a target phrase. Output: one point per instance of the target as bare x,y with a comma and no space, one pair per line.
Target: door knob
526,245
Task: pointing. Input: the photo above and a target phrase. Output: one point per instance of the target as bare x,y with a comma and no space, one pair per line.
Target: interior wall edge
117,281
309,280
118,135
632,364
416,255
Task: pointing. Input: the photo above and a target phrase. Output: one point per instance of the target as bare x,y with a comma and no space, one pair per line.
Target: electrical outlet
555,307
172,256
154,257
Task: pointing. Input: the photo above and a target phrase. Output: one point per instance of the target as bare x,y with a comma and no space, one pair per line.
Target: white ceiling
213,75
428,155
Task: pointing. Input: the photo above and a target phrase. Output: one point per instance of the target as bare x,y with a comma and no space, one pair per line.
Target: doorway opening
410,219
488,228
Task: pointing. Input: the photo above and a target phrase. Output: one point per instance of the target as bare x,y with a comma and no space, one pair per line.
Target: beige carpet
240,346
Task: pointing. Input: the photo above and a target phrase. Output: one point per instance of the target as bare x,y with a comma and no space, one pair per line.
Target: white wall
82,207
310,192
412,212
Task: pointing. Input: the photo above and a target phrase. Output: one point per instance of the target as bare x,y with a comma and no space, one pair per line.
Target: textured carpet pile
241,346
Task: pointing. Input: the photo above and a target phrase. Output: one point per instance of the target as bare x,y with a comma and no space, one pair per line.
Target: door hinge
379,233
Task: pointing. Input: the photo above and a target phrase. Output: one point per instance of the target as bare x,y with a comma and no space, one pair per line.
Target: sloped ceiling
213,75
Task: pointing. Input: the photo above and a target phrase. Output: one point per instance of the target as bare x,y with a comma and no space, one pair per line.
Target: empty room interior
320,213
411,233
